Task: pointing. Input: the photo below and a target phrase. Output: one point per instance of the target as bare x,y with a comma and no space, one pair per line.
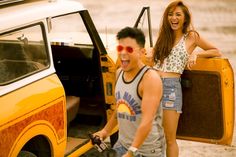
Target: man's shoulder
152,77
151,72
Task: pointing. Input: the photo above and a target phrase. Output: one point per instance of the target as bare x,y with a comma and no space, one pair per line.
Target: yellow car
56,80
57,83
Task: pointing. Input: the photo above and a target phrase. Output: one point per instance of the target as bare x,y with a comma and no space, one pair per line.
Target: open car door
208,102
208,99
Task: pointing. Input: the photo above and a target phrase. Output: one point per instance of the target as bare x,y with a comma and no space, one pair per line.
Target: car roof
16,14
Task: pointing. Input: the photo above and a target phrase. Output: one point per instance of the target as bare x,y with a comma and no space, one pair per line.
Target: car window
69,30
22,53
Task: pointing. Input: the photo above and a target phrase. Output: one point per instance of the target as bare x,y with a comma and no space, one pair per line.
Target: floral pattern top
177,59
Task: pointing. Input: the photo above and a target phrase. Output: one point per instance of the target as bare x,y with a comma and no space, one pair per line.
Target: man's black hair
132,32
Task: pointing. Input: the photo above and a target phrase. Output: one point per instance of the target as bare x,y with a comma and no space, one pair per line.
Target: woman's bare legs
170,123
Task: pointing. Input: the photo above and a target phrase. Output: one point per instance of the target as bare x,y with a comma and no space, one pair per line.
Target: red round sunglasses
120,48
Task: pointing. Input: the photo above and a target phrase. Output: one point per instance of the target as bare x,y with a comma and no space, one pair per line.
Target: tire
26,154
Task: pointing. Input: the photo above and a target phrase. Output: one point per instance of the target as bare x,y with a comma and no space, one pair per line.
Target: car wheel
24,153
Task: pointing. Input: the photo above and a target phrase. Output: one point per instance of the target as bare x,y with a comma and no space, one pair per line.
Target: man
138,93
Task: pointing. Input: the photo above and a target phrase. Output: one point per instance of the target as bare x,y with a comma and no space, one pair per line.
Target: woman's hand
149,56
192,60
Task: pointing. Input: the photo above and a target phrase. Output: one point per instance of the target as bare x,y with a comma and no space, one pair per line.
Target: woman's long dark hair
166,38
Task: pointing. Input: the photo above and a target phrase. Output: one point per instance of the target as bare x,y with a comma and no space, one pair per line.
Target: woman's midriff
168,74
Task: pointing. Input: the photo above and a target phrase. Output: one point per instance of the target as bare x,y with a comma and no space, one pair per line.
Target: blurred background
215,20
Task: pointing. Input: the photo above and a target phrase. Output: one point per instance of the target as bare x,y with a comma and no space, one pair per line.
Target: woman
172,52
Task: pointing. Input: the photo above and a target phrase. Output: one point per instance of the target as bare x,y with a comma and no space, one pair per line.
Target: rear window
22,53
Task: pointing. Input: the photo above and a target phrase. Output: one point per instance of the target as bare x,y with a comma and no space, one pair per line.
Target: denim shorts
172,94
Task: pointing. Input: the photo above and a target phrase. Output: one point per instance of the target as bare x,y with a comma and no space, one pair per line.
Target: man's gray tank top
129,117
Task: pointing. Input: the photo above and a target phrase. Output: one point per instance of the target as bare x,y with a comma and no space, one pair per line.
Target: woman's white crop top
177,59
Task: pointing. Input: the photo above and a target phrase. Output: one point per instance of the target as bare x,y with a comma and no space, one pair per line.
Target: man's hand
128,154
102,134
